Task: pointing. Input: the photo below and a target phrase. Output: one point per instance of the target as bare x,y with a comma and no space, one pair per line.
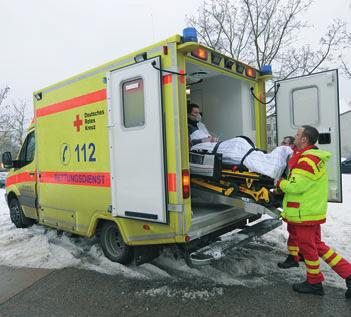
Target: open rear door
136,140
313,100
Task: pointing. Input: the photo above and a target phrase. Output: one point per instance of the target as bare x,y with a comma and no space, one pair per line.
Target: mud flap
217,250
144,254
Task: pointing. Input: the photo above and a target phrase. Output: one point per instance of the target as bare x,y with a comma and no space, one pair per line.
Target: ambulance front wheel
17,216
113,245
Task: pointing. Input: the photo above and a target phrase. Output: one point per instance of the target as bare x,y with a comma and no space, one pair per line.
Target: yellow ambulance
107,153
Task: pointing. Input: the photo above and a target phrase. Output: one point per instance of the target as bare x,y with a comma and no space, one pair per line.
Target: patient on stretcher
238,150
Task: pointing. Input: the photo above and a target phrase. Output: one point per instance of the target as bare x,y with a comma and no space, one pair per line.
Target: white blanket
233,150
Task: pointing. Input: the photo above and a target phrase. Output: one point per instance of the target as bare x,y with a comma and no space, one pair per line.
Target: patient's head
288,141
194,112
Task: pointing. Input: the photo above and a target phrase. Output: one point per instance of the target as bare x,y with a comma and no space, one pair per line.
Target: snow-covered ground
252,265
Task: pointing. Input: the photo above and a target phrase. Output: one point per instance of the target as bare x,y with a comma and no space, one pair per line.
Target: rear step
216,250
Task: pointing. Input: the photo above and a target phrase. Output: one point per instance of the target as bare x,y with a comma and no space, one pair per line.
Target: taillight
186,183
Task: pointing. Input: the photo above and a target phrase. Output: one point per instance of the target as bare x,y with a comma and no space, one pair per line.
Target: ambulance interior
227,111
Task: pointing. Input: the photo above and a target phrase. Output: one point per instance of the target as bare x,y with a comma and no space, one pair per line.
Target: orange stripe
20,178
172,182
182,77
83,100
72,178
167,79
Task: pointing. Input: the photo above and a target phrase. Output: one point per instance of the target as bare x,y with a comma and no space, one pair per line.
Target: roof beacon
189,35
266,70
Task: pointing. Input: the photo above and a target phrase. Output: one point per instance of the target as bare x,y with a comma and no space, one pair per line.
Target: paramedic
194,121
305,206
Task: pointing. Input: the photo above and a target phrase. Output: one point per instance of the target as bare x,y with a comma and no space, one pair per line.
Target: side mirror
7,160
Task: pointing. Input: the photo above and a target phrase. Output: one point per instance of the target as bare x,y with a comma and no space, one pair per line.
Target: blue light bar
189,35
266,70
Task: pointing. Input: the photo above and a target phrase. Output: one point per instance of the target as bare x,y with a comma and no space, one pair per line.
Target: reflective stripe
335,261
328,254
293,248
293,252
167,79
79,101
314,271
312,263
99,179
172,182
291,204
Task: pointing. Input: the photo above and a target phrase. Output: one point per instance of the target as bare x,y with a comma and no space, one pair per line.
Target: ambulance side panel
73,159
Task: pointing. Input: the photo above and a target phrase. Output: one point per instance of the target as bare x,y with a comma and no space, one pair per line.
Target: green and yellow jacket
306,189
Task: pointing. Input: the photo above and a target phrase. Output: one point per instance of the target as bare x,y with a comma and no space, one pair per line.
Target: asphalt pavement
75,292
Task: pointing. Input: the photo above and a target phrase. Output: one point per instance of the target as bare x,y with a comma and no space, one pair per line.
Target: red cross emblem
77,123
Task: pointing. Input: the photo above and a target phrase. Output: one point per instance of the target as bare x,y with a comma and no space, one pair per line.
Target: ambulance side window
133,103
27,151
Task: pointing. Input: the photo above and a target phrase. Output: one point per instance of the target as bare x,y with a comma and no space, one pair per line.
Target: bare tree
263,32
13,123
345,67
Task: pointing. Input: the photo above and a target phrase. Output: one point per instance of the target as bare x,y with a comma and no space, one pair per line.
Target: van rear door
136,139
313,100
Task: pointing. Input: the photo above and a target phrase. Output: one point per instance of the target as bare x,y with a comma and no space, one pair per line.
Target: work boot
288,263
307,288
348,284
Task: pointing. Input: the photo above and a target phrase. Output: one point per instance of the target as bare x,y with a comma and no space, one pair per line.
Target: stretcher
208,171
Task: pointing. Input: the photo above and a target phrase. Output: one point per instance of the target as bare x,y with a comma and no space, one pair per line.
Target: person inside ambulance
197,128
236,151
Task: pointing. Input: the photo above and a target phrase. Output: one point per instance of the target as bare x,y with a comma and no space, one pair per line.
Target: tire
17,216
113,245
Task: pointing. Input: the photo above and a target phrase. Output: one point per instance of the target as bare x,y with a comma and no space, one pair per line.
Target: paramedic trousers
293,247
312,247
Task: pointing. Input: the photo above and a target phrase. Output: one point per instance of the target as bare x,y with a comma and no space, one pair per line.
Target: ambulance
107,153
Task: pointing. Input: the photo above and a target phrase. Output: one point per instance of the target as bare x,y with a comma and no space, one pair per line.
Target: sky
46,41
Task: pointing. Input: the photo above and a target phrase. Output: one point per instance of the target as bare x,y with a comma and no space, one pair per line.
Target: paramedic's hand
277,189
277,183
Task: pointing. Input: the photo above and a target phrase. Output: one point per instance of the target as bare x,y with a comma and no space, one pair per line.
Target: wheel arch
100,220
11,195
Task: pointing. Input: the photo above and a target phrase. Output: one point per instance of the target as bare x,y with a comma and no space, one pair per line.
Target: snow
252,265
187,293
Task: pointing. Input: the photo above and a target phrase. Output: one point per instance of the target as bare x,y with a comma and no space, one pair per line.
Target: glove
277,189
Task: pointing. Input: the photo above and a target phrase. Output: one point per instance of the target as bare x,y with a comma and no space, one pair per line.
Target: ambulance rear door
136,137
313,100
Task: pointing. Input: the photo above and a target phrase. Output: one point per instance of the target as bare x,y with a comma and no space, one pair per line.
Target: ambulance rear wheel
17,216
113,245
